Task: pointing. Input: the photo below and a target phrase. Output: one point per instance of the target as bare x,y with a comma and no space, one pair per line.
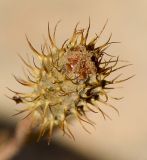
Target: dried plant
68,81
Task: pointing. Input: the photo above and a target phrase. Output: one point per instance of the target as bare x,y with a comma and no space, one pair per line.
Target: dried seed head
69,81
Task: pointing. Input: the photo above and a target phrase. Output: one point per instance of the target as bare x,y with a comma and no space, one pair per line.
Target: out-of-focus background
123,138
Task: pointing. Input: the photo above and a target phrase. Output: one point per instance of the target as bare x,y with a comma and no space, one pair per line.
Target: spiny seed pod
68,81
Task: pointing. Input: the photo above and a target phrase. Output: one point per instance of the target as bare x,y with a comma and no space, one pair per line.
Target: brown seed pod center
80,63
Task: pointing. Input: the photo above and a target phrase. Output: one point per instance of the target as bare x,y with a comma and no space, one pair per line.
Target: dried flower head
68,81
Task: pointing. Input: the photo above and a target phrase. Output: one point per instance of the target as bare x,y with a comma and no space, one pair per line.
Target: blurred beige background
123,138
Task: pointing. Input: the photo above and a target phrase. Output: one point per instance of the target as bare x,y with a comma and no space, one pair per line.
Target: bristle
54,35
50,38
39,55
87,33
